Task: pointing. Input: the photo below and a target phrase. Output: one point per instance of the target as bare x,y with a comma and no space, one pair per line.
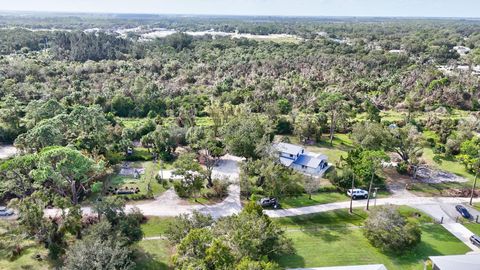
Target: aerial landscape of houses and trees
245,136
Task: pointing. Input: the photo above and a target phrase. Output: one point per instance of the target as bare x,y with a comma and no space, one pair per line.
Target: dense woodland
65,95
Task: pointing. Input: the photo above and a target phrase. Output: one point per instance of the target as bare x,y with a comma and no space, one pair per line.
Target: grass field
151,170
474,227
26,260
156,226
348,246
153,255
334,238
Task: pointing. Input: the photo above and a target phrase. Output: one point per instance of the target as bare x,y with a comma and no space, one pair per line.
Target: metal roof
352,267
456,262
288,148
286,161
308,160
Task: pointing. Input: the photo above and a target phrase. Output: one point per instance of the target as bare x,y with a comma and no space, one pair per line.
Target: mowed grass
347,246
26,260
153,255
317,198
474,227
335,238
156,226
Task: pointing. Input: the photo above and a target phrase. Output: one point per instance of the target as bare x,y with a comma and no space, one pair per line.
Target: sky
384,8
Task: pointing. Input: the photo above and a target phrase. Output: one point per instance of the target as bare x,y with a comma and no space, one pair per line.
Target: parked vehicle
475,239
463,211
5,212
269,202
357,193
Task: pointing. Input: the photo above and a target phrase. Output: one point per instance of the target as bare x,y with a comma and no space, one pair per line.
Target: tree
249,264
373,113
184,223
209,148
192,176
11,111
407,143
386,229
275,179
335,106
66,171
99,251
249,239
16,179
309,126
470,156
243,134
40,136
371,135
191,251
312,184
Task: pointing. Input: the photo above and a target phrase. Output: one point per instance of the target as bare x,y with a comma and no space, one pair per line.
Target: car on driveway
5,212
357,193
463,211
269,202
475,239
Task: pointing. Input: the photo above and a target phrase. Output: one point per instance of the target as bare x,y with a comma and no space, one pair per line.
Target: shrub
402,168
386,229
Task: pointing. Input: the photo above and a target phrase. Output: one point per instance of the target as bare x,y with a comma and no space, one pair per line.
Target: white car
357,193
5,212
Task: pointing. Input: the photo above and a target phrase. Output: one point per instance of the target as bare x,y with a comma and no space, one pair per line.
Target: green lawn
347,246
156,226
26,260
317,198
148,178
474,227
153,255
135,122
335,238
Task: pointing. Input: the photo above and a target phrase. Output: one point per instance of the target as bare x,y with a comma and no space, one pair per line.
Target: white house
296,157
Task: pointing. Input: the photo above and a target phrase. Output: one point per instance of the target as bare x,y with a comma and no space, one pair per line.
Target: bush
386,229
402,168
181,190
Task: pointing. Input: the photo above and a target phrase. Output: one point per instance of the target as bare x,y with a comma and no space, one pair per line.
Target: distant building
352,267
297,158
462,50
455,262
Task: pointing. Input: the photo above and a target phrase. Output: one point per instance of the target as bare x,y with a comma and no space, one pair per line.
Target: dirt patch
433,176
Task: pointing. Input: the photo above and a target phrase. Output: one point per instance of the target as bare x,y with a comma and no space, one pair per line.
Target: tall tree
66,171
335,106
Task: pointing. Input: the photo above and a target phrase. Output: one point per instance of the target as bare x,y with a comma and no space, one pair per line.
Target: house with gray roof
296,157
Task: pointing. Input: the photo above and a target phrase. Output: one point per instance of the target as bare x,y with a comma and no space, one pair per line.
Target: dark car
463,211
475,239
269,202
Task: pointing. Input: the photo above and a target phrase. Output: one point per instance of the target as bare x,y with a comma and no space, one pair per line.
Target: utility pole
473,187
370,186
375,196
351,193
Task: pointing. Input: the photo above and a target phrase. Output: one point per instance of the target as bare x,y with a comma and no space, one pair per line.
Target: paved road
411,201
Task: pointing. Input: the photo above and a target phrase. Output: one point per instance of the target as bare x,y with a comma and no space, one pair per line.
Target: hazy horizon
307,8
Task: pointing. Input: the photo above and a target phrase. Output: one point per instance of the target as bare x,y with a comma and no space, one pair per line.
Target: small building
456,262
295,157
352,267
